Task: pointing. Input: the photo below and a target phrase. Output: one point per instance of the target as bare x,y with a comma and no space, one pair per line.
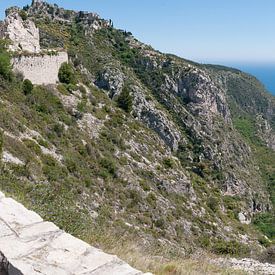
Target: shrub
160,223
23,15
152,199
1,143
124,101
66,74
5,61
27,86
168,163
108,165
71,87
230,247
268,256
213,204
58,129
265,223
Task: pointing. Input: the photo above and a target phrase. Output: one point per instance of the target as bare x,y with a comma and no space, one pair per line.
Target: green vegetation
266,223
5,61
66,74
264,158
27,86
233,248
23,15
168,163
124,100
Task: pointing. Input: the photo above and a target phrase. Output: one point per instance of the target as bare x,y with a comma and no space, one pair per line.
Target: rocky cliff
21,32
150,147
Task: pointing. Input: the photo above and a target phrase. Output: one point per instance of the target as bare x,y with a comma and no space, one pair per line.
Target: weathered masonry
40,69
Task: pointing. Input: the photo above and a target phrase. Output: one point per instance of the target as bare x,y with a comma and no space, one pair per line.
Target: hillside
142,153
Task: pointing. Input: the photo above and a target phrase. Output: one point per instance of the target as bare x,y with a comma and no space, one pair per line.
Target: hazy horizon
210,31
231,33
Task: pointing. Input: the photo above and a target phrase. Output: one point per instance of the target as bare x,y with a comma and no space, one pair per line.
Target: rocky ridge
187,166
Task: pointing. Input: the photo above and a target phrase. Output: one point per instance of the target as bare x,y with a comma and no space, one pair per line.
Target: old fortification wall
36,66
40,69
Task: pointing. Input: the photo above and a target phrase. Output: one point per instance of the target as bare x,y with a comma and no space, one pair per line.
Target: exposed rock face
41,69
265,132
91,21
23,34
113,81
155,119
248,265
29,246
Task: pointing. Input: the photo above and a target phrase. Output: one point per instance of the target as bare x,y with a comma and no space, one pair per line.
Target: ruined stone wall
40,69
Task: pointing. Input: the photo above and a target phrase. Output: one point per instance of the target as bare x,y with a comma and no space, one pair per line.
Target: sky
207,31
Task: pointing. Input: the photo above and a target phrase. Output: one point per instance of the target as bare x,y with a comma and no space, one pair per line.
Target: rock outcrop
29,246
23,34
247,265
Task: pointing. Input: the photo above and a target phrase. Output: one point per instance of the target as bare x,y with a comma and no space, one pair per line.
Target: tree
1,144
23,15
124,101
66,74
5,61
27,86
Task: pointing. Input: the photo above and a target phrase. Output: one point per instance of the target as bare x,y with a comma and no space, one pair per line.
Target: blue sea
265,73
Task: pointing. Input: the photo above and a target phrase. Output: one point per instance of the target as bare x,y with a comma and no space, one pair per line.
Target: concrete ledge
29,245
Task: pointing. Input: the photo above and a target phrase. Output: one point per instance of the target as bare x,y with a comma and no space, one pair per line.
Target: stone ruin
35,65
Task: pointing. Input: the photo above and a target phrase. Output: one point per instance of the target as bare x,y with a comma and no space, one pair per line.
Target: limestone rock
24,35
243,219
248,265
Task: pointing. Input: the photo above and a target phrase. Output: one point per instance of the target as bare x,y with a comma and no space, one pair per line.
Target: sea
264,72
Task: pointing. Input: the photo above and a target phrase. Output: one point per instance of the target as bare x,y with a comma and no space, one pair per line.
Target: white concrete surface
33,246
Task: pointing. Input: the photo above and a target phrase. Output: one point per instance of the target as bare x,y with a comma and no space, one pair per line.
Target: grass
264,158
158,264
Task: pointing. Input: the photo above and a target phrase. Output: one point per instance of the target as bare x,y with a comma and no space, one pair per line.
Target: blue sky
217,31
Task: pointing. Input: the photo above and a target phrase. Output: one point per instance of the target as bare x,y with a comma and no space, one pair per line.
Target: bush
23,15
66,74
124,101
213,204
265,222
108,165
1,144
168,163
27,86
229,248
5,61
160,223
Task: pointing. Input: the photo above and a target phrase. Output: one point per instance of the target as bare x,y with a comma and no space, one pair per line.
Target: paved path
29,245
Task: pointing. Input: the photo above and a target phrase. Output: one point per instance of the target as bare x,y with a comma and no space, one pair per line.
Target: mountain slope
147,146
